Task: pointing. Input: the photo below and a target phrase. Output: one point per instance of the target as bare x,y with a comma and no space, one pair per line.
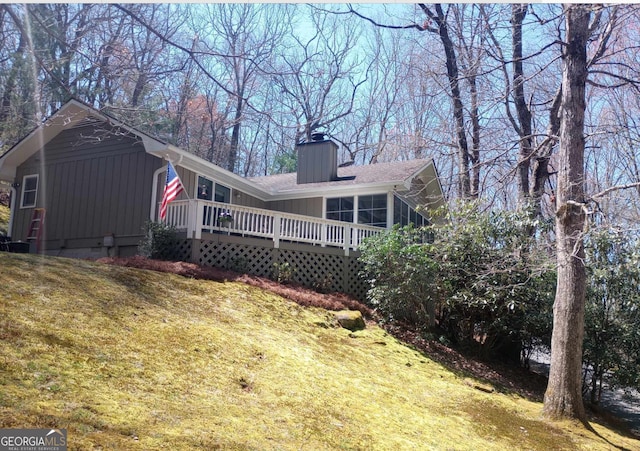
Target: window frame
210,184
356,210
372,209
341,212
213,186
24,191
407,212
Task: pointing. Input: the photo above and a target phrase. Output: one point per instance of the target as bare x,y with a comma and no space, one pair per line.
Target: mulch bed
299,294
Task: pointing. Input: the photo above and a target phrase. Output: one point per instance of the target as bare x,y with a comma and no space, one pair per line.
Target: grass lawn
137,360
4,218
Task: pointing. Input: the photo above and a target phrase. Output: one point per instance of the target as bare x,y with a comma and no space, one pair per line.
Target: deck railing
197,216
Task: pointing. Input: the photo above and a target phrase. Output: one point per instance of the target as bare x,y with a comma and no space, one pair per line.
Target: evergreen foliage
480,280
486,284
612,316
159,242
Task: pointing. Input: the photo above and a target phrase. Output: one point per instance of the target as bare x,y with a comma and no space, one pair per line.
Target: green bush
401,275
481,280
159,242
611,351
283,272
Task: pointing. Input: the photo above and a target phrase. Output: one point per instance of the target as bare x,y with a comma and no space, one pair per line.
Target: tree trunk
563,397
543,155
235,134
518,13
464,177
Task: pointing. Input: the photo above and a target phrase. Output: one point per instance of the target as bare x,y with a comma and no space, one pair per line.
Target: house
94,182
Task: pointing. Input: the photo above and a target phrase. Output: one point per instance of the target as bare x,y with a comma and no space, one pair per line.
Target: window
223,194
340,209
29,191
207,190
404,215
372,210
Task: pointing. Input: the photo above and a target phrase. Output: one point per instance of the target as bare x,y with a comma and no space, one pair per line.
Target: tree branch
614,188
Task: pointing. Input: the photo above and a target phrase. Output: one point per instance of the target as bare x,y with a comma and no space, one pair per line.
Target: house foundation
321,268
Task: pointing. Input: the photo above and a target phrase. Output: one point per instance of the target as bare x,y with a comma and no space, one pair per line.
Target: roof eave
198,165
365,188
68,116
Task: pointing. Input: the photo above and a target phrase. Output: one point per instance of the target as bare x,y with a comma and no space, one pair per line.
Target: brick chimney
317,160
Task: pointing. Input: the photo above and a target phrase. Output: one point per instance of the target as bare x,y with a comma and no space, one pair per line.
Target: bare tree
438,22
563,397
320,74
17,84
245,38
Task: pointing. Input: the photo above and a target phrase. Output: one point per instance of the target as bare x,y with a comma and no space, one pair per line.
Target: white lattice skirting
317,267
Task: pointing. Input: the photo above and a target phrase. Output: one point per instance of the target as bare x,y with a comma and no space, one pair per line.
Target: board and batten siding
308,207
246,200
90,188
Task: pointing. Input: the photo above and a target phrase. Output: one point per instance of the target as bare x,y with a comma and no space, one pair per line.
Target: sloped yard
132,359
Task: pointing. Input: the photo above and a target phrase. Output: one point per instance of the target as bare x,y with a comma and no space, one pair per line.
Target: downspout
154,193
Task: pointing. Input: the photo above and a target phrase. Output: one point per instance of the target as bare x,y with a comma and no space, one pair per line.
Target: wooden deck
198,216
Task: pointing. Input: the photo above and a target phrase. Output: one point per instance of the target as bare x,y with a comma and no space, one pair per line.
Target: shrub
283,272
238,264
400,273
612,312
159,242
481,280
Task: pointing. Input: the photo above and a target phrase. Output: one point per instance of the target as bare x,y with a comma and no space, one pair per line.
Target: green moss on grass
131,359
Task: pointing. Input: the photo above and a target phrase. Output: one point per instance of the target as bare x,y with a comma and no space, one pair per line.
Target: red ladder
36,226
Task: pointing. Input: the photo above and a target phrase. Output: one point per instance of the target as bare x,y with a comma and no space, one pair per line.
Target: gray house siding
189,180
308,207
90,188
246,200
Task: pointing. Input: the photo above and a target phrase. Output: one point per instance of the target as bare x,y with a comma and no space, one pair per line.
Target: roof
394,173
72,114
395,176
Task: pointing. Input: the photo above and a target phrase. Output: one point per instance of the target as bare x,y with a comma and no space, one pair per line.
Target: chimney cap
318,136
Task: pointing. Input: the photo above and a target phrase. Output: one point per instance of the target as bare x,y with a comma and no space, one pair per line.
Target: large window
207,190
340,209
404,215
372,210
29,191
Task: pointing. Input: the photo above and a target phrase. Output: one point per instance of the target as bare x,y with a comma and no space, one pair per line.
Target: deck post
277,223
197,215
323,234
346,239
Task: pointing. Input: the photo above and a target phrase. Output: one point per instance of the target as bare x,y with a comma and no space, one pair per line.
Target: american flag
172,189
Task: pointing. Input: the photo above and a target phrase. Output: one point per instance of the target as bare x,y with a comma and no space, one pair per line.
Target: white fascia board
68,116
417,173
200,166
340,191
